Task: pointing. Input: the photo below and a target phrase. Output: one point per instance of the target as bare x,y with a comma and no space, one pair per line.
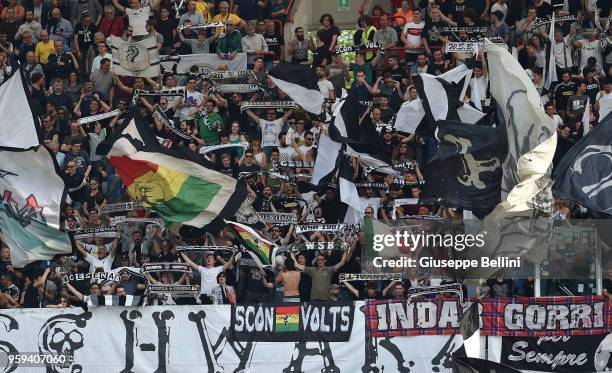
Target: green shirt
230,43
209,127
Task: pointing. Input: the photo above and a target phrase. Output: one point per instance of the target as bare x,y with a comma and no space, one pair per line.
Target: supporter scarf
205,248
220,75
158,112
208,149
278,217
467,30
242,175
102,232
98,276
412,201
235,88
369,277
201,26
166,267
372,185
95,118
124,219
119,207
319,228
174,290
249,105
357,48
316,246
450,288
299,164
163,92
545,21
404,165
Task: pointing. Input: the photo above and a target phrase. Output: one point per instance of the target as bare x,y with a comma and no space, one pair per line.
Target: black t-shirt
544,11
431,35
562,93
85,36
437,69
165,28
333,211
326,36
591,90
74,182
275,41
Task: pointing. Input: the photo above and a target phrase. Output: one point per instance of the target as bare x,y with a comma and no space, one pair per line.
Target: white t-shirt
286,154
95,65
193,100
138,19
589,49
270,131
208,278
105,263
324,87
304,149
413,32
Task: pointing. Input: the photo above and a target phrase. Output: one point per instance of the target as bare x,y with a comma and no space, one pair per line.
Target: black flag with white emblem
466,169
584,174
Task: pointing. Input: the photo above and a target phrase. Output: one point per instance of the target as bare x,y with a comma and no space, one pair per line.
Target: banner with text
525,317
182,339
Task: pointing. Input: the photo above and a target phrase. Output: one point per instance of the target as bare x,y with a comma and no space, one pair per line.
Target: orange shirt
407,17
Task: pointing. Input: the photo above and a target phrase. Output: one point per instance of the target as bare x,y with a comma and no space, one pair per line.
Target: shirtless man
290,278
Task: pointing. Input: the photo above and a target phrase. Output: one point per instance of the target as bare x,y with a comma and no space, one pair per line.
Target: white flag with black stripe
139,59
300,83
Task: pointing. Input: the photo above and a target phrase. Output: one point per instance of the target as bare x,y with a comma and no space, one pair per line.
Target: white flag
551,76
17,128
139,59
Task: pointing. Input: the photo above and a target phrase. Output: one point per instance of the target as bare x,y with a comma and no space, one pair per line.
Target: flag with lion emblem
139,59
177,184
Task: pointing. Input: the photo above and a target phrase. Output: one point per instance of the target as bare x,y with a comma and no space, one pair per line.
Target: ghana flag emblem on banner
287,319
260,249
175,183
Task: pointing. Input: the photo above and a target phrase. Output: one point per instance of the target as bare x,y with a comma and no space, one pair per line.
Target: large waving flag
261,250
518,224
175,183
440,98
32,197
466,169
18,128
300,83
585,171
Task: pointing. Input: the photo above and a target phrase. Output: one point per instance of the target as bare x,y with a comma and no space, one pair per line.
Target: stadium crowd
64,51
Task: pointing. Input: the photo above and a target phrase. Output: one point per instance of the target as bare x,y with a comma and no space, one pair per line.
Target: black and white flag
440,97
362,141
466,169
519,224
462,364
584,173
139,59
300,83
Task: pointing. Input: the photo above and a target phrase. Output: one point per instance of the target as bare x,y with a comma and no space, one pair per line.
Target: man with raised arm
208,274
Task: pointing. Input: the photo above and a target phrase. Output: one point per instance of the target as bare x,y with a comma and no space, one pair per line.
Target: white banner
198,339
139,59
206,62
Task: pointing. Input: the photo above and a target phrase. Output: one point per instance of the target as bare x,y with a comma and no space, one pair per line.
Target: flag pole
536,280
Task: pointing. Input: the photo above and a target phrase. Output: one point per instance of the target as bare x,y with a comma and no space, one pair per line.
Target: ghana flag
287,319
175,183
261,250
